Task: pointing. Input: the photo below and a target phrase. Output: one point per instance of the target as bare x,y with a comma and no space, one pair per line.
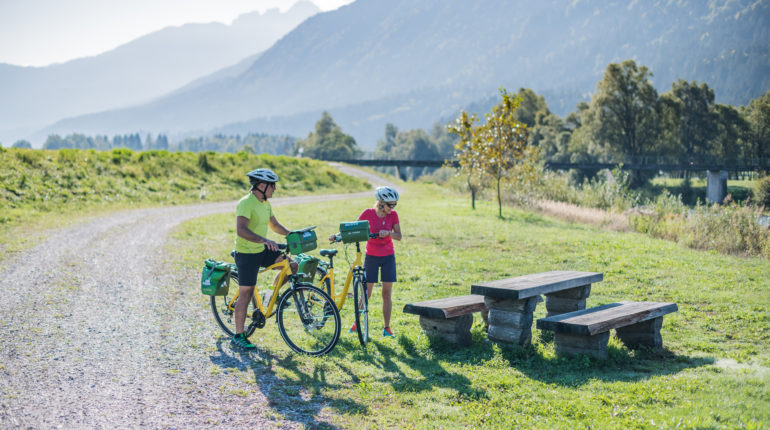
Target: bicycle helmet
262,175
386,194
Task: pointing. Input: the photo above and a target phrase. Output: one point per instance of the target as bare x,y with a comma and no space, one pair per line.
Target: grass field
714,371
44,189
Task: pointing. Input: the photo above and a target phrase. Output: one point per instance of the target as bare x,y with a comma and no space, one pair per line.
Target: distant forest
252,143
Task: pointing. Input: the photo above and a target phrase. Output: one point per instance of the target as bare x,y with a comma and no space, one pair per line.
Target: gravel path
86,339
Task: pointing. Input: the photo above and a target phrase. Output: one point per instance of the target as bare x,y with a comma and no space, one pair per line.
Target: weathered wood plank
526,286
449,307
604,318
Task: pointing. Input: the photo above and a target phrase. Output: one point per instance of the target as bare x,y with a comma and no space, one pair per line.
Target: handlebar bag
300,241
354,231
214,278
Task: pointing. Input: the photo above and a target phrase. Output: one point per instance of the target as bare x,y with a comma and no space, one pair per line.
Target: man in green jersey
252,247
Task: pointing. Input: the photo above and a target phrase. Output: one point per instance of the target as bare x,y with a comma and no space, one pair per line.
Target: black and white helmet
386,194
262,175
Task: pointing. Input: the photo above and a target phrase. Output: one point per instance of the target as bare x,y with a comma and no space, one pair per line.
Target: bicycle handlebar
338,238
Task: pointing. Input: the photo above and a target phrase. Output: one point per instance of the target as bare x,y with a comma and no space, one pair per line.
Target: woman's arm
396,232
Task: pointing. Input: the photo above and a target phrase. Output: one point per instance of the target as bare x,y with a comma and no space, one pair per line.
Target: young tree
503,142
467,151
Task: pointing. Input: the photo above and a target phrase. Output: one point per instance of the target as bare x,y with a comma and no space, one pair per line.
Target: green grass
42,189
713,372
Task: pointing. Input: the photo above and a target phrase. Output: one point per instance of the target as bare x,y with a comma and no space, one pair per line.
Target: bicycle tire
225,315
307,319
361,301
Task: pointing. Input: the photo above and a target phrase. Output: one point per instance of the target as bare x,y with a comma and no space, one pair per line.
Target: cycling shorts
249,264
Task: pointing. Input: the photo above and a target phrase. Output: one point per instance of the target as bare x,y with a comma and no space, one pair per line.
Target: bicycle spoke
308,320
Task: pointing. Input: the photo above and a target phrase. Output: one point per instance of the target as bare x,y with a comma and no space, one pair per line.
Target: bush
731,228
762,192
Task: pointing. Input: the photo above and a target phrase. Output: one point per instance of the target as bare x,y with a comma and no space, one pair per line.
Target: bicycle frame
283,276
356,267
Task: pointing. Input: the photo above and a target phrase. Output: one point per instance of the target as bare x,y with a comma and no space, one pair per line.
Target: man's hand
269,244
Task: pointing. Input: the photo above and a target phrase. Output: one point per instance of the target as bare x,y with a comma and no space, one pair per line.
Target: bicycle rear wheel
361,301
308,320
223,308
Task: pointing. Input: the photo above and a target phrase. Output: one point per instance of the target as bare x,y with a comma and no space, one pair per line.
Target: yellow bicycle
307,318
354,232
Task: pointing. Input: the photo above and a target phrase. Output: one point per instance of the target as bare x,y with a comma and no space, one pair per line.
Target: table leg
561,302
510,321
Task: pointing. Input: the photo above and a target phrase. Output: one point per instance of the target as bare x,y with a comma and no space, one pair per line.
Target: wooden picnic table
511,302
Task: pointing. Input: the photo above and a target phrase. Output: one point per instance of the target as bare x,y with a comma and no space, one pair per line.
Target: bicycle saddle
328,252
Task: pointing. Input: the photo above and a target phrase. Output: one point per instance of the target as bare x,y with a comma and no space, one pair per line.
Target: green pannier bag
354,231
307,265
300,241
214,278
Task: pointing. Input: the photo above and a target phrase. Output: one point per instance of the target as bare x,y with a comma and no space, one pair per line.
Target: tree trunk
499,200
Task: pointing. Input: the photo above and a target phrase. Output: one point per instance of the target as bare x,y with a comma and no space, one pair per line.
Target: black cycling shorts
374,265
249,264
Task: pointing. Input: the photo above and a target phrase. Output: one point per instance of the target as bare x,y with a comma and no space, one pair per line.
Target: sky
43,32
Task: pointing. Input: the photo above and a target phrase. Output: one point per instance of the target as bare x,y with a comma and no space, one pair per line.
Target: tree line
626,121
251,143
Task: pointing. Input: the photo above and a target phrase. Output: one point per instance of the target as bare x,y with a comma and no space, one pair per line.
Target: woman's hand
332,238
384,233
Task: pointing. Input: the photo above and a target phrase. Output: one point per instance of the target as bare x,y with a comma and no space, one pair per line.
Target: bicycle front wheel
361,301
223,308
308,320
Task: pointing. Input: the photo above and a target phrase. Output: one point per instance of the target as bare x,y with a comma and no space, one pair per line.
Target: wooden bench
512,301
587,331
450,318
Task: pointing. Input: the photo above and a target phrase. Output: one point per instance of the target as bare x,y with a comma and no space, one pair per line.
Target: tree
694,118
758,117
502,141
467,151
625,111
22,144
328,142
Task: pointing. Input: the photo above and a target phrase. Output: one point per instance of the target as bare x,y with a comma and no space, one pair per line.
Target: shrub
762,192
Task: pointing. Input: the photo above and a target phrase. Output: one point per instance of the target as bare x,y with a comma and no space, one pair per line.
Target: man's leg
244,297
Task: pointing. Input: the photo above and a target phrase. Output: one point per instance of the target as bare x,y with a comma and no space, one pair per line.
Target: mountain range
141,70
413,63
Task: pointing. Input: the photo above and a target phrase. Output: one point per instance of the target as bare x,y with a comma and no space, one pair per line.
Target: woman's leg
387,304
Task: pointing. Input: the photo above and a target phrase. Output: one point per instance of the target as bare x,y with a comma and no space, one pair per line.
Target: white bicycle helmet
386,194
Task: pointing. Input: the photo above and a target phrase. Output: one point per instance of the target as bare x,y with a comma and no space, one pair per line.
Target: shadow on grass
537,362
296,397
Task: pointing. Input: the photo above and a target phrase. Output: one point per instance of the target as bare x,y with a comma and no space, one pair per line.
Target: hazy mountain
138,71
411,63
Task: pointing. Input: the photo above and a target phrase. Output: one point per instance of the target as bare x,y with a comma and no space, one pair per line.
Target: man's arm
242,229
277,227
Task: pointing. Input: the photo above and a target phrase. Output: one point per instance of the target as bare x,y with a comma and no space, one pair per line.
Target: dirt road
93,333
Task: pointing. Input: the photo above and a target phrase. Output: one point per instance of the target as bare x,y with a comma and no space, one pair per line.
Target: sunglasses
391,205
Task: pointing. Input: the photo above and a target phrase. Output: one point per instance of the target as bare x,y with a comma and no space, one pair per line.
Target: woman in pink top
380,257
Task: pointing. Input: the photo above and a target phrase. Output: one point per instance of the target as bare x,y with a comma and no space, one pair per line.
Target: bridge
716,172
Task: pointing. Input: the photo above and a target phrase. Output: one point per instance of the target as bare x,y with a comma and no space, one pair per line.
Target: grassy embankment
713,373
43,189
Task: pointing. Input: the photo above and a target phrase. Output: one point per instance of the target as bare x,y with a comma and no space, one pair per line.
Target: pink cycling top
379,247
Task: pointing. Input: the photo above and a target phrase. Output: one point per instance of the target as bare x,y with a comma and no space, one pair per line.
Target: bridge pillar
716,186
401,172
